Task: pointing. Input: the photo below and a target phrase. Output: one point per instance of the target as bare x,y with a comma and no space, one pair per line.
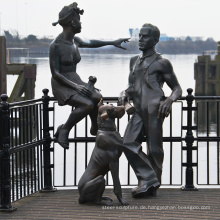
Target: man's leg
154,135
147,178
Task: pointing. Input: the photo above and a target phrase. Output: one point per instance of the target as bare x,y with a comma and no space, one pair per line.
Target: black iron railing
24,149
32,161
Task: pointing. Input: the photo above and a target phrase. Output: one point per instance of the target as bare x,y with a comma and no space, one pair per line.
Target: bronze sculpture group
148,72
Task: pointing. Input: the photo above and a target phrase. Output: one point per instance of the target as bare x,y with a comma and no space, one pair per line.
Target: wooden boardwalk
168,204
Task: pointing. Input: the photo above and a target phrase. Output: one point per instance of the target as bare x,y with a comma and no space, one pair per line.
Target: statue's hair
155,31
68,13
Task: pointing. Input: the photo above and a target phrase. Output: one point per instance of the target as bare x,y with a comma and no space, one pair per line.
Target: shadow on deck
168,204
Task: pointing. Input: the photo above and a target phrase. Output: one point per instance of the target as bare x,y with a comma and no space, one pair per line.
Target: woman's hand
117,43
82,90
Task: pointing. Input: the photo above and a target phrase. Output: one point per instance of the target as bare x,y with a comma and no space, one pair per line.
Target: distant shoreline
171,46
164,47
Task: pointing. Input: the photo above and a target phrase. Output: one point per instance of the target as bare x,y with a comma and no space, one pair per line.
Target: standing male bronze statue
67,85
148,72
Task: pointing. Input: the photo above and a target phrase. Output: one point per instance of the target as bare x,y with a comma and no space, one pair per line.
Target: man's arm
98,43
171,80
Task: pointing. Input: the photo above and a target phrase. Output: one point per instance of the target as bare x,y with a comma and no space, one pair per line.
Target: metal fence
32,161
24,149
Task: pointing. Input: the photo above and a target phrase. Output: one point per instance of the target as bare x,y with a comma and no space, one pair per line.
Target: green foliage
9,37
188,38
31,38
185,46
35,45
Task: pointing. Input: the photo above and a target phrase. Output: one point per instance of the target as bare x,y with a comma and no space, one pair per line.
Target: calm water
112,74
111,71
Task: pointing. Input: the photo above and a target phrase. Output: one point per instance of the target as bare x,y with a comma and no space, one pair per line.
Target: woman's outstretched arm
99,43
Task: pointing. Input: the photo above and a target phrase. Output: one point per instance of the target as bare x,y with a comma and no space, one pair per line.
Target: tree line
41,45
35,44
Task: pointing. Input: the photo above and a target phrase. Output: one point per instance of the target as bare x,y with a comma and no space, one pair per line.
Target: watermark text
157,207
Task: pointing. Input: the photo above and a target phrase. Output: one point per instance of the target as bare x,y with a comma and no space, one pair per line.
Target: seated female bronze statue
67,85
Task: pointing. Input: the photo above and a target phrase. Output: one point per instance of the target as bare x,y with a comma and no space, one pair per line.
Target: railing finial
190,90
4,97
45,91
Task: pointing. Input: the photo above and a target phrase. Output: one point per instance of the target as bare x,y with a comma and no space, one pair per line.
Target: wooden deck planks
168,204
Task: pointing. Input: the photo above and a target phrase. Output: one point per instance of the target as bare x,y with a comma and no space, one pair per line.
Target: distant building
188,37
207,73
164,37
134,34
196,38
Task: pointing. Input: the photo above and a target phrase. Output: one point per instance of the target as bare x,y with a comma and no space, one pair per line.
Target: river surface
112,72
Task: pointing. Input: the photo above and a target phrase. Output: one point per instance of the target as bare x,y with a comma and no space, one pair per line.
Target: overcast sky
112,18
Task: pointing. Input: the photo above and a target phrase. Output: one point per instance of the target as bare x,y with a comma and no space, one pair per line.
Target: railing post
3,75
189,139
46,146
5,180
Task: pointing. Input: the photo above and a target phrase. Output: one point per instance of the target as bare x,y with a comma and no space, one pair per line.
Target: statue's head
148,37
70,16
